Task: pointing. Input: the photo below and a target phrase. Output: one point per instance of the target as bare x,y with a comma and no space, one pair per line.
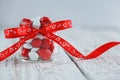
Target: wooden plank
60,69
105,67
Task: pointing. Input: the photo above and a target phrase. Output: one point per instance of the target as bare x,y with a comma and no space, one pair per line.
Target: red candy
51,47
25,52
36,43
46,43
45,21
26,22
45,54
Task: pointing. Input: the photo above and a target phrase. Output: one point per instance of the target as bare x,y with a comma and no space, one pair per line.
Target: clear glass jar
38,48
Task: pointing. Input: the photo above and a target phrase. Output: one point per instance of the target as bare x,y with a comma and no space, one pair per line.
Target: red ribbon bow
27,32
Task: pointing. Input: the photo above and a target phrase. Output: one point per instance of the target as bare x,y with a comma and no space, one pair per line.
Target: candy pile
39,45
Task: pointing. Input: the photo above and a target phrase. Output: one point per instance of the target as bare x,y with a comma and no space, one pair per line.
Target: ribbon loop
60,25
18,32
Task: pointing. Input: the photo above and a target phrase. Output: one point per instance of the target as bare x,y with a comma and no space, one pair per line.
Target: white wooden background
105,67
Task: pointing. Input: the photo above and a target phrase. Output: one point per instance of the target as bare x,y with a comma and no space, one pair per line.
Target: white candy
35,26
27,46
33,56
34,49
39,36
36,23
29,41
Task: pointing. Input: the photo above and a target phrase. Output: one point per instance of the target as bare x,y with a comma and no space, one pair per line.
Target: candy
34,49
45,21
27,46
51,47
36,23
33,55
39,36
25,52
44,54
26,22
36,42
46,43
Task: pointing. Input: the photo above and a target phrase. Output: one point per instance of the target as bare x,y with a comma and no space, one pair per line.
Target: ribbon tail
11,50
100,50
71,50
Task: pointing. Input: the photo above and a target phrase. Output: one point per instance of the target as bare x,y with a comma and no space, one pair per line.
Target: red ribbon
27,33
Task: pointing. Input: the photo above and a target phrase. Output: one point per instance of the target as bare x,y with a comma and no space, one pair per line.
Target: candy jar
39,48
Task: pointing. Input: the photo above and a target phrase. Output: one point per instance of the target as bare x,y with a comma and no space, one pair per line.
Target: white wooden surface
105,67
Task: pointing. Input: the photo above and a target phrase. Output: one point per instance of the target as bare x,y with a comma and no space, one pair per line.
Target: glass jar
39,48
